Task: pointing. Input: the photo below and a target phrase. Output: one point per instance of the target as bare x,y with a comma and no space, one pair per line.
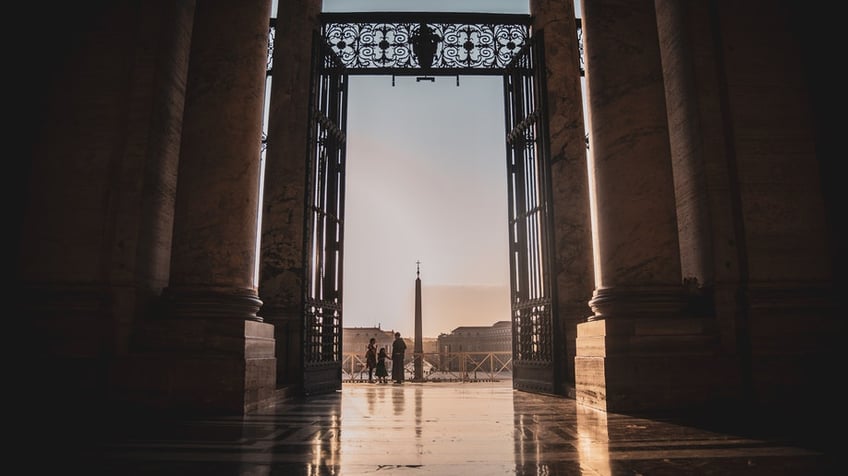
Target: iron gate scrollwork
532,297
324,230
438,43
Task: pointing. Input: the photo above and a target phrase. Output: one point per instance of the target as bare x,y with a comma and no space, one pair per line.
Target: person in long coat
398,351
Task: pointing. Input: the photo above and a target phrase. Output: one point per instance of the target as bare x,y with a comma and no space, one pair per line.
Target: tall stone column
282,266
554,19
218,354
638,351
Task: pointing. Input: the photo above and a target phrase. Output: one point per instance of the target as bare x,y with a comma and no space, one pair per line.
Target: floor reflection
430,429
424,424
593,441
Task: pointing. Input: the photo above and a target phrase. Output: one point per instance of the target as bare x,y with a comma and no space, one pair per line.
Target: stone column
711,243
554,19
282,266
219,355
637,352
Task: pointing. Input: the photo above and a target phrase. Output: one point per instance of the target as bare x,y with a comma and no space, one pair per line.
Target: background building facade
477,340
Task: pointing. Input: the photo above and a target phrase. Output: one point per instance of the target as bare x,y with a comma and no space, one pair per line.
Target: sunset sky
426,181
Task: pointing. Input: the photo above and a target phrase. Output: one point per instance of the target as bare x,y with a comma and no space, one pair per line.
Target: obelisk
419,338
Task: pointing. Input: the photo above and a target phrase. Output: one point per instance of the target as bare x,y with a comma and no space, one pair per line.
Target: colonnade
693,253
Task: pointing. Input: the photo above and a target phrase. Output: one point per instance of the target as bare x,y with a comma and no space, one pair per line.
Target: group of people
375,361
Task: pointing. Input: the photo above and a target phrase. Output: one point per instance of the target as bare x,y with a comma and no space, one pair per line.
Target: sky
426,181
426,188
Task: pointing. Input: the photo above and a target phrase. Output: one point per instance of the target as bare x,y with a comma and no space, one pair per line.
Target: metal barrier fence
439,367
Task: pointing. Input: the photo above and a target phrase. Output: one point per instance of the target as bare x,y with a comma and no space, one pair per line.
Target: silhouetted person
398,350
371,358
382,373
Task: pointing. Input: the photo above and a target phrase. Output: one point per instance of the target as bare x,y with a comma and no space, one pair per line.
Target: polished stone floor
437,429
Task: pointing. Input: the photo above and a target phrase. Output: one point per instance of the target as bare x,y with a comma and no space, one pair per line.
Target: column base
646,365
200,366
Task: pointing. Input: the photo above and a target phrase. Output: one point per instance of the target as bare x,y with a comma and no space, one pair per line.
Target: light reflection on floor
424,424
465,429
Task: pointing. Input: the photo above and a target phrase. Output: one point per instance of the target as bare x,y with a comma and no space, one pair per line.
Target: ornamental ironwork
433,43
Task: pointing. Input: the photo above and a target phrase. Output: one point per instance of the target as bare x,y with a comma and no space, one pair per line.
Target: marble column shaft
215,225
638,254
282,267
212,353
573,266
640,351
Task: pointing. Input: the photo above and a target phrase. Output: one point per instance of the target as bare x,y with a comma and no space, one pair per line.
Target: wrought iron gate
437,44
324,231
535,343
